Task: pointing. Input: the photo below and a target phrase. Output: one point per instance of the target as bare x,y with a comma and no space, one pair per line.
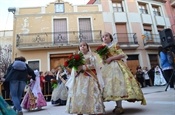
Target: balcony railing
55,39
156,13
118,9
152,39
126,38
143,11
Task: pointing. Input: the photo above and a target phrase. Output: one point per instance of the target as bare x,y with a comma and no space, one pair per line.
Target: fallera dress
33,99
60,93
85,96
159,79
120,83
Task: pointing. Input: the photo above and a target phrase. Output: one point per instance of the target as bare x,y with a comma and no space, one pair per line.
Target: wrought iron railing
57,38
118,9
126,38
156,13
143,11
152,39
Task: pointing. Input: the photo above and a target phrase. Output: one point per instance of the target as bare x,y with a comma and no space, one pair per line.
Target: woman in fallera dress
159,79
85,96
59,93
120,83
34,98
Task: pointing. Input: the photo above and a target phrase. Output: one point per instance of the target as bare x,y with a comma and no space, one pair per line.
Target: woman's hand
108,60
80,68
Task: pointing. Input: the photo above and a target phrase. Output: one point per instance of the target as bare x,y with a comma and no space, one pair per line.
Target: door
133,62
57,59
153,60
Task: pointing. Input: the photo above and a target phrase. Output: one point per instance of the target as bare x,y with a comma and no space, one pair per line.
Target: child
85,96
159,78
29,99
120,84
34,98
59,94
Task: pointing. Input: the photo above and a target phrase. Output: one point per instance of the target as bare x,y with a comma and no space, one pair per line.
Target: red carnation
100,47
74,61
102,51
66,64
77,57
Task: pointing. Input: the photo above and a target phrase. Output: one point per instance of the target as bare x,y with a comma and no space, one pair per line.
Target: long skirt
59,95
29,101
86,97
120,83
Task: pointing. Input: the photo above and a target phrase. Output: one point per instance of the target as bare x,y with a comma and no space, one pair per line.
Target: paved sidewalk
159,102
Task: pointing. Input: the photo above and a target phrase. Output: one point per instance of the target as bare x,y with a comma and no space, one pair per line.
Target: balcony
52,40
126,40
146,18
152,41
172,2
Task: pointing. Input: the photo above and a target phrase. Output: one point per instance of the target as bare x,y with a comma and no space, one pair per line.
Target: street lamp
12,9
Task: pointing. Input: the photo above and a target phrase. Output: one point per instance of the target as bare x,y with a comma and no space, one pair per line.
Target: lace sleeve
120,52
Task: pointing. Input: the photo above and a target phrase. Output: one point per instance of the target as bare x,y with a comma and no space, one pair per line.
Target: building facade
47,35
170,8
136,25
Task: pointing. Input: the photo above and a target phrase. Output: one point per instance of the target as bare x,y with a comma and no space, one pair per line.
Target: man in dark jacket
17,77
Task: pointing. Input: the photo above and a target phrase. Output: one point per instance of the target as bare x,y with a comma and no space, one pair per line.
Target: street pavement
159,102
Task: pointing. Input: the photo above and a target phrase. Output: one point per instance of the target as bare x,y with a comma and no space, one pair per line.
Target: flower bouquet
54,83
102,51
74,61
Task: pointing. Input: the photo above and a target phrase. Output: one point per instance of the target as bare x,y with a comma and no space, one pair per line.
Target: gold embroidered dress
86,97
120,84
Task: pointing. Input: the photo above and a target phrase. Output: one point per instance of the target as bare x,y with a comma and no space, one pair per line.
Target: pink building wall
171,14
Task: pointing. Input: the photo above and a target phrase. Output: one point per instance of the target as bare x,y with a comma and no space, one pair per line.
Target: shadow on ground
127,111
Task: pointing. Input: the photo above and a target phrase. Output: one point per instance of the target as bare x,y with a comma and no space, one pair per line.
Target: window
85,31
148,32
117,7
142,8
156,11
122,34
60,31
34,65
59,8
